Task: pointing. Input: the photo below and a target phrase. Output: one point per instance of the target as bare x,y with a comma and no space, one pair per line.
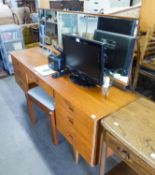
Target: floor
29,151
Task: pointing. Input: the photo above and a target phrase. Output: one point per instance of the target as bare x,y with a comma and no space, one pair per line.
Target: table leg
103,160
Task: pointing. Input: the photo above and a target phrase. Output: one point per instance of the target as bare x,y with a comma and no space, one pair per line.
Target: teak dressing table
79,110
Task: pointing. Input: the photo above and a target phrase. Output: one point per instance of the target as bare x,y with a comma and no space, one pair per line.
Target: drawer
128,156
74,138
78,115
18,67
66,130
21,83
20,75
32,78
73,121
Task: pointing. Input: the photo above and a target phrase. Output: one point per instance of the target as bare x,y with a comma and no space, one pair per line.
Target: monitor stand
81,80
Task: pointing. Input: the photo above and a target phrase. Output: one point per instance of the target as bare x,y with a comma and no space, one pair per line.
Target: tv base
82,80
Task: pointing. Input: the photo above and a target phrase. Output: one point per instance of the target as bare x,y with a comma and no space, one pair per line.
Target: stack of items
11,39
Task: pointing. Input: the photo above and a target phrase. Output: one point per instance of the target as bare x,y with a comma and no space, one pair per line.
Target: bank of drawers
77,127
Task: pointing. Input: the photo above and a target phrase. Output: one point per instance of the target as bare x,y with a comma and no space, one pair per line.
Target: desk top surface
134,125
89,100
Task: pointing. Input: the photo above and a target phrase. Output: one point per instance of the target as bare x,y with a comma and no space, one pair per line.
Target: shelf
54,23
13,41
122,169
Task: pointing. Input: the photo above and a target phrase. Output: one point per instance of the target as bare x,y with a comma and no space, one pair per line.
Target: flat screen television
85,59
118,25
119,50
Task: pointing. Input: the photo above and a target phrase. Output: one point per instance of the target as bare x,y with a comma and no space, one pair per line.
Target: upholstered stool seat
39,94
39,97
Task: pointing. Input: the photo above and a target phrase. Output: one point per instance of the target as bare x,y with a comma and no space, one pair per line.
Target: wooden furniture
130,133
78,109
21,15
39,97
146,61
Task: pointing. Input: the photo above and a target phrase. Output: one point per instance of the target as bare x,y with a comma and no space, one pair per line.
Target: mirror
103,28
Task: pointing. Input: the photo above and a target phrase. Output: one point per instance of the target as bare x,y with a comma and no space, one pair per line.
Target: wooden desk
78,109
130,133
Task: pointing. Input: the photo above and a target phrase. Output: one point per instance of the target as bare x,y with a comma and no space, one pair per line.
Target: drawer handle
71,137
70,108
69,105
70,120
123,153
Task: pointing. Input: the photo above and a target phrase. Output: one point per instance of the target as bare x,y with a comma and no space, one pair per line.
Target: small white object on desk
44,70
106,85
119,77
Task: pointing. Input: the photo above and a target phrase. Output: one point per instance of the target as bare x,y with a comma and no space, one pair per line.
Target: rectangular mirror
117,33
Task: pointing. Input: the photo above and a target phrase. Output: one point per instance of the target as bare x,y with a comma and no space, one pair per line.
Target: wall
147,15
44,3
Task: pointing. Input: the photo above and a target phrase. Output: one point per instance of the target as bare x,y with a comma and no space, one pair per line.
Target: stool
39,97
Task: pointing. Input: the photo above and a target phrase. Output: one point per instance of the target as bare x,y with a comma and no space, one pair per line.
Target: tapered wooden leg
31,111
53,128
76,155
103,160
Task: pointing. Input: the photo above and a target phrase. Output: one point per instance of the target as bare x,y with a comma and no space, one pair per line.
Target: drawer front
128,156
77,115
67,131
73,121
74,138
21,83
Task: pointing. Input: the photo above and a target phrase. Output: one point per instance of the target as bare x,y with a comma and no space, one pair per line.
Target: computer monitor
118,25
119,50
84,58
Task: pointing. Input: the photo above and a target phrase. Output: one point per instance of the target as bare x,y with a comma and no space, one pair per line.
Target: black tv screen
84,56
118,25
119,50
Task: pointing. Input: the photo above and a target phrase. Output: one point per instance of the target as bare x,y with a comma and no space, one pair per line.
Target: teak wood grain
130,132
78,108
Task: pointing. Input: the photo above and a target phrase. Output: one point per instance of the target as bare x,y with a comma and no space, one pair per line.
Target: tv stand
81,80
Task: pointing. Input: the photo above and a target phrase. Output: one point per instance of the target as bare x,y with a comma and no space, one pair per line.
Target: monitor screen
119,50
118,25
84,56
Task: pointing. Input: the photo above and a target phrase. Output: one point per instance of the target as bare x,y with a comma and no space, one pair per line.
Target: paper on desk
44,70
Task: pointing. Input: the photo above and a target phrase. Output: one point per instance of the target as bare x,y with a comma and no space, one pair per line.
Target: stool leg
53,128
76,155
31,111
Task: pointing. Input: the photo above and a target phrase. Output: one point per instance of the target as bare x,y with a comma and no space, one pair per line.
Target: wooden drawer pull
70,120
123,153
70,108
